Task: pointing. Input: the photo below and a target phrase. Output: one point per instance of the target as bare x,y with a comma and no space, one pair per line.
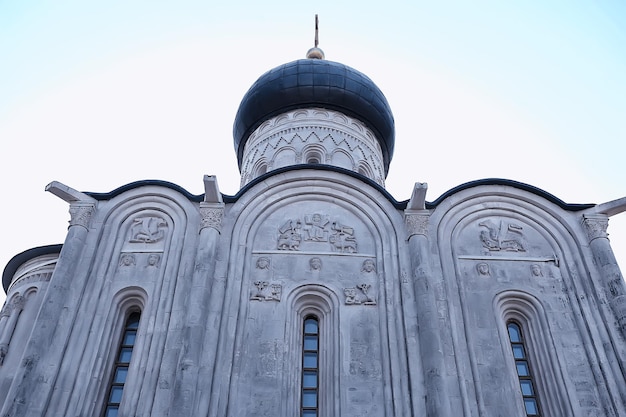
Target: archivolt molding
124,302
561,230
527,310
384,223
322,302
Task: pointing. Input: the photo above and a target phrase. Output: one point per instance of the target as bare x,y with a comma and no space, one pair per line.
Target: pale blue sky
99,95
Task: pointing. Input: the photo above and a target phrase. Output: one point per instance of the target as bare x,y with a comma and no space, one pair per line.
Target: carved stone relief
211,217
358,294
368,266
536,271
154,260
502,236
315,264
263,263
417,224
80,214
266,291
147,229
127,260
317,228
483,269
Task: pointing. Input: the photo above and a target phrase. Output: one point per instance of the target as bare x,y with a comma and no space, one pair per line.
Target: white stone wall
412,305
312,136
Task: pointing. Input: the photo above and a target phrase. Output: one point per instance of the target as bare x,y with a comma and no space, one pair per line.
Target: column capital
212,215
81,213
595,226
416,223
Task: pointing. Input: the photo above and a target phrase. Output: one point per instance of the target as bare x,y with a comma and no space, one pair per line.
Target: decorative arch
262,211
526,310
314,154
553,238
125,302
321,302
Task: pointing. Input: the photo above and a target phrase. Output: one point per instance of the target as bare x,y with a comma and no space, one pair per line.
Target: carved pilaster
18,303
416,224
211,217
80,214
595,226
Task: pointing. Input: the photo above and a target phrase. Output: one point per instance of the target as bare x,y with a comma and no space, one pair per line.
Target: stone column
192,352
437,402
36,376
6,332
596,226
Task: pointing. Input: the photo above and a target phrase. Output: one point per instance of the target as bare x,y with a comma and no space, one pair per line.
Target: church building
312,292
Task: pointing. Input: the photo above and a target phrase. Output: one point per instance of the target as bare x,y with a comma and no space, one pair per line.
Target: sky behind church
99,94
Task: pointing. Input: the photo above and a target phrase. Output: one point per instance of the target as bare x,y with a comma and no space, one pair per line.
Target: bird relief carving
317,228
148,229
502,236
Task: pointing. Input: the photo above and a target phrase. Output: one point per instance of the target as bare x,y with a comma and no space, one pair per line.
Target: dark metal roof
21,258
315,83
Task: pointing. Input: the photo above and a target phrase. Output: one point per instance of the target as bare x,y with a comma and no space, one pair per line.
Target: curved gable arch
281,202
495,238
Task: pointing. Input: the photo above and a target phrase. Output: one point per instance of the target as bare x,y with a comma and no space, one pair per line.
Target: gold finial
315,52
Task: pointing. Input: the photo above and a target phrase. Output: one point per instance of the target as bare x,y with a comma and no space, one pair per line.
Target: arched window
310,368
524,372
122,363
527,342
314,158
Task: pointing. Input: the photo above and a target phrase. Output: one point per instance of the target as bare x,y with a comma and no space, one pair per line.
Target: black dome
315,83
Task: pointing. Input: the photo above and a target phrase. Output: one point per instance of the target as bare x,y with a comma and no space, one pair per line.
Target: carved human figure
127,259
535,270
153,260
316,227
368,266
263,263
483,269
315,264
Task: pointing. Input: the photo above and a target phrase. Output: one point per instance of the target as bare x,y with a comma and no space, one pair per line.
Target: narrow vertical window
122,362
310,368
522,366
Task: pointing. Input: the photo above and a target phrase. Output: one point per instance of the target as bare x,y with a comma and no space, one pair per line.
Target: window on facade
310,368
522,366
122,363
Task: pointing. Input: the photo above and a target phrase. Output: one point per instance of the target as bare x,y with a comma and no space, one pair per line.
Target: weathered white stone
412,299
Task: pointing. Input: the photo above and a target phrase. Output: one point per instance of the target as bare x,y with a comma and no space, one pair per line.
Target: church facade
312,291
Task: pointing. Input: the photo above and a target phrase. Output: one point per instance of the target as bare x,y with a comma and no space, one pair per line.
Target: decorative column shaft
596,227
437,403
186,391
6,333
32,387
